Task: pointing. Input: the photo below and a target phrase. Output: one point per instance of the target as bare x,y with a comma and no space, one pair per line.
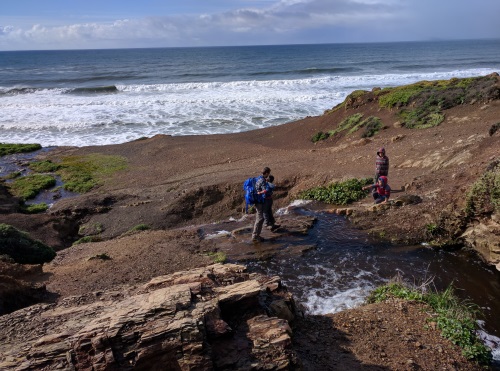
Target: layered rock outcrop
216,317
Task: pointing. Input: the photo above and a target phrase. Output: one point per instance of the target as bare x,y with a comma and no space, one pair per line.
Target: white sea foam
57,117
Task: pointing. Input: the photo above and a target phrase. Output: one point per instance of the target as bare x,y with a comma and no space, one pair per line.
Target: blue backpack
251,196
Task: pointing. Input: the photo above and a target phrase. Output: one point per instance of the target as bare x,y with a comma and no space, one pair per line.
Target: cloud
264,22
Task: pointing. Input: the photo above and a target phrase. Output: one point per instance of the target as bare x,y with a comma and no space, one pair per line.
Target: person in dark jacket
261,188
269,220
381,164
381,190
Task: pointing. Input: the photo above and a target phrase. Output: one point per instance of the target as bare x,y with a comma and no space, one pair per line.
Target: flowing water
347,265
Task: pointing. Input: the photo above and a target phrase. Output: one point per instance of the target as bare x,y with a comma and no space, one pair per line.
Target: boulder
216,317
484,237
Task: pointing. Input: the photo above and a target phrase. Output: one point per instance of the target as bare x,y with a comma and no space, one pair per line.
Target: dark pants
378,198
268,212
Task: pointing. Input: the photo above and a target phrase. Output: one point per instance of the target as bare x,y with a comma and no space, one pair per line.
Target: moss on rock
22,248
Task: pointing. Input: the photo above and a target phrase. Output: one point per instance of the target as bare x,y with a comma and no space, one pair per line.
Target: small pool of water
346,266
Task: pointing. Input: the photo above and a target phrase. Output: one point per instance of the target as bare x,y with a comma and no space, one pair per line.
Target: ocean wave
307,71
96,90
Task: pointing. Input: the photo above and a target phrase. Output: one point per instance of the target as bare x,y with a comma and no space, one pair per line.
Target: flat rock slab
234,238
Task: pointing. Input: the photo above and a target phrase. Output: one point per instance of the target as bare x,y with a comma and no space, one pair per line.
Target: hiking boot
275,227
257,239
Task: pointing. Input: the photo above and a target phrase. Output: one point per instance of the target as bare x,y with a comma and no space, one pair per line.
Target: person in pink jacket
381,190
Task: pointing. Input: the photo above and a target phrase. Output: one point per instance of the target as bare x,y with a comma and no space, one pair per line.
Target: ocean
97,97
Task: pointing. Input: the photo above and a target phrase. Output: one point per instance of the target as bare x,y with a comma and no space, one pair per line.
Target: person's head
270,178
381,152
266,171
382,180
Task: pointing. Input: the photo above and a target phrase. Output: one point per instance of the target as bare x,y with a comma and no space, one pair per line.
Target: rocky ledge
216,317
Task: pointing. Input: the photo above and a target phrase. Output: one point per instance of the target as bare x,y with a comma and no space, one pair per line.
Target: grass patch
87,239
34,208
82,173
347,124
14,175
22,248
338,193
139,227
218,257
399,96
29,186
454,317
9,149
46,166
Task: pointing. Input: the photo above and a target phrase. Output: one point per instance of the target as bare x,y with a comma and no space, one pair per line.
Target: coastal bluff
159,294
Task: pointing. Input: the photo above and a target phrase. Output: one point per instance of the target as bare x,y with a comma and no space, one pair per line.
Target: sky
97,24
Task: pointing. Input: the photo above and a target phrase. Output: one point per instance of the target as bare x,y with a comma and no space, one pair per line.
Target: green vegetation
319,136
421,104
454,317
218,257
372,126
338,193
34,208
424,116
9,149
22,248
88,239
140,227
484,195
347,124
399,96
90,229
46,166
82,173
29,186
13,175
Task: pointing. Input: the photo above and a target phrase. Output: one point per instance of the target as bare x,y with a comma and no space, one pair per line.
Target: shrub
372,125
8,149
338,193
319,136
29,186
454,317
218,257
484,195
347,123
22,248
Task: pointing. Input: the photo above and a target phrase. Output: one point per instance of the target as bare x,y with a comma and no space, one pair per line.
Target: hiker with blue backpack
269,220
255,194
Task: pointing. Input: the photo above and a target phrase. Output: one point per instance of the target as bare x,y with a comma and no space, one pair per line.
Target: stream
346,265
